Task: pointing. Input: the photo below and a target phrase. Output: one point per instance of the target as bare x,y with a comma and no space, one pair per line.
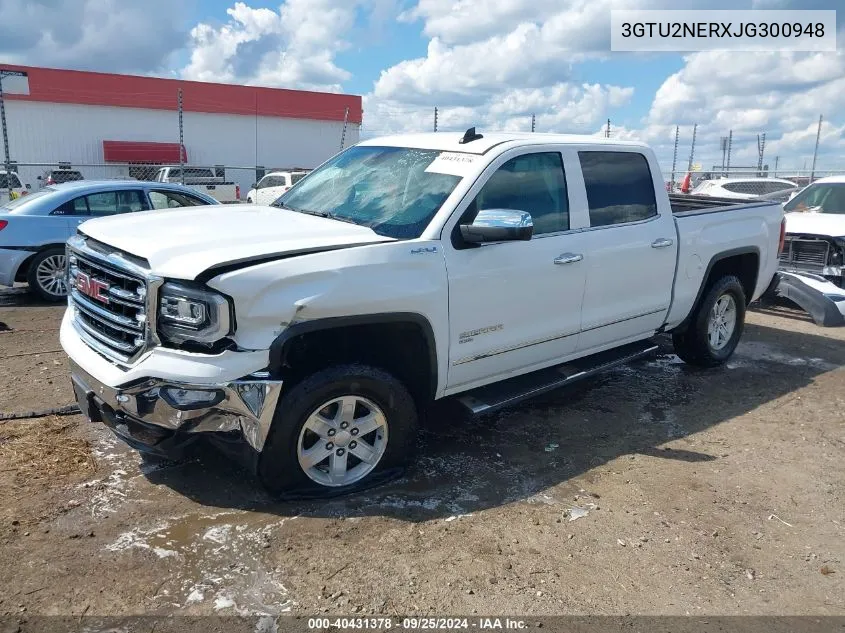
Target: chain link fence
225,183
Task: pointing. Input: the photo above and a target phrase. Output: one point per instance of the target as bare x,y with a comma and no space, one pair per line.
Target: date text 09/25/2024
416,624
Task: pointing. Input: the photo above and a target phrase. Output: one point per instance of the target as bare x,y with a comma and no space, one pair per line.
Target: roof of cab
451,141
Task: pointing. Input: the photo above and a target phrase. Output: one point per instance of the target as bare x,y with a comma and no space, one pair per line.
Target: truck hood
829,224
183,243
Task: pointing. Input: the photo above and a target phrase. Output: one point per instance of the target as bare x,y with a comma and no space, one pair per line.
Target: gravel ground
654,489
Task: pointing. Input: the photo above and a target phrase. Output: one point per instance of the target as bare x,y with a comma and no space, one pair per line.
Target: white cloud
105,35
494,62
294,46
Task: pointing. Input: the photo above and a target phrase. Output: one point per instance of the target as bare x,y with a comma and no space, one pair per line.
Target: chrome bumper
147,417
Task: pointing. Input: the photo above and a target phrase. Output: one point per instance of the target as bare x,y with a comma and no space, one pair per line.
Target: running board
513,390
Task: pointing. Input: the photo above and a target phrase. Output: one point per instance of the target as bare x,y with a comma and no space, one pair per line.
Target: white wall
49,133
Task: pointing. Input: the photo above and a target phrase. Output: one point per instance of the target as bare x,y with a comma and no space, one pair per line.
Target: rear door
632,249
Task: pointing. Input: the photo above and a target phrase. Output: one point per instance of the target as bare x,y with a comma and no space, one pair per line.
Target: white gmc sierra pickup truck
488,268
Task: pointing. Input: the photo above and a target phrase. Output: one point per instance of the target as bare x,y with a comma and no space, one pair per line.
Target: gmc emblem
93,288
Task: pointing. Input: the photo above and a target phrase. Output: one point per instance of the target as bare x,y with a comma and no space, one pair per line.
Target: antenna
469,136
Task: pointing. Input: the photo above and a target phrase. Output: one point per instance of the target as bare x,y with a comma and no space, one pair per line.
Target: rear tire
339,429
716,326
47,276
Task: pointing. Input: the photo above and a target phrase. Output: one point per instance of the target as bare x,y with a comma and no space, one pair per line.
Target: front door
516,306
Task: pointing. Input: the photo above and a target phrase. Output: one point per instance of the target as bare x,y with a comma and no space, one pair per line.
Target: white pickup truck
483,268
202,179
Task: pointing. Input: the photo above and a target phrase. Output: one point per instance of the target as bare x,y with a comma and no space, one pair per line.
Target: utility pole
723,146
815,151
607,132
761,148
777,159
6,164
181,141
675,154
533,121
345,123
730,147
692,148
435,118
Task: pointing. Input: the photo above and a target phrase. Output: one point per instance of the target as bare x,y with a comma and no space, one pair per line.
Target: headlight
192,314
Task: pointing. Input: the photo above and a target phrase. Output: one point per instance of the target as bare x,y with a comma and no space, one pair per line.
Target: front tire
46,275
340,429
716,326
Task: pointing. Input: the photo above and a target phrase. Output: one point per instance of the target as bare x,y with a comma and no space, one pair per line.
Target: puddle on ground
218,560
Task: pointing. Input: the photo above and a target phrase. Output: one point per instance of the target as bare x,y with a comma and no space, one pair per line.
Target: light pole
6,165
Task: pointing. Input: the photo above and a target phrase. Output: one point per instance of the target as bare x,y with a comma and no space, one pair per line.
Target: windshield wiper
319,214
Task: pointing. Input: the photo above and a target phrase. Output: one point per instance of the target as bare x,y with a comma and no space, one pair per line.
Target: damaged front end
819,255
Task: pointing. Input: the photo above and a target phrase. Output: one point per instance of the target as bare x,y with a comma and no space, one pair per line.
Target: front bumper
136,402
823,300
147,418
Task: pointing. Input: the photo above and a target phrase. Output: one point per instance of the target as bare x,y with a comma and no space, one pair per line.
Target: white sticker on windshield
453,164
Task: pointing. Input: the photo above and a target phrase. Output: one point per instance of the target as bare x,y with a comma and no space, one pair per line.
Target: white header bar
751,30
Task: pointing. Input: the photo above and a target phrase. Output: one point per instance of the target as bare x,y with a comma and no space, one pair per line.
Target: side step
502,394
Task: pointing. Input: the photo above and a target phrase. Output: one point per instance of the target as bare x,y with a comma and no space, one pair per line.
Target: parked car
59,176
484,268
34,228
741,188
812,263
273,185
202,179
10,184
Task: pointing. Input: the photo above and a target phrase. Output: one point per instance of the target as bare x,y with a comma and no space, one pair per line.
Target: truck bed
690,204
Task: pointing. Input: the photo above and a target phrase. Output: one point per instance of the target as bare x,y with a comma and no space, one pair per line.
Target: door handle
661,243
568,258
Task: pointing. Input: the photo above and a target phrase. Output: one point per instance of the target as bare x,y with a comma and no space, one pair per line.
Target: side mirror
39,178
498,225
253,185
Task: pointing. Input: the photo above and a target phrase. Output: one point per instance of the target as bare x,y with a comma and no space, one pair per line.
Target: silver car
35,227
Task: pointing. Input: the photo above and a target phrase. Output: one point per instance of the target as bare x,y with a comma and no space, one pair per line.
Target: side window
131,201
262,183
173,200
619,186
534,183
101,204
77,206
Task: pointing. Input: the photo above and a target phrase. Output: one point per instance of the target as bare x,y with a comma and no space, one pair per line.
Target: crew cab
202,179
485,268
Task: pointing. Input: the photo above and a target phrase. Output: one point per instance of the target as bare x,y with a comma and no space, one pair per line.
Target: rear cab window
620,187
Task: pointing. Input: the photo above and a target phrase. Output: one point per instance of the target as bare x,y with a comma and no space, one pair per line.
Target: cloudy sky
489,63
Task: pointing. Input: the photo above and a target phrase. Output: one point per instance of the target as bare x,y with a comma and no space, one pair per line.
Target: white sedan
742,188
273,185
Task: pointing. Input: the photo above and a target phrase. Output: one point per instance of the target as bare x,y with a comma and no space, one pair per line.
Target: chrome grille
804,254
111,303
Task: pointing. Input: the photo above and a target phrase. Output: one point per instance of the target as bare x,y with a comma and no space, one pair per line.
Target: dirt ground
654,489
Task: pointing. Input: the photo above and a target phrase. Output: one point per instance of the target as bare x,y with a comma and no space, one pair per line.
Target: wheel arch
23,267
744,262
363,333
